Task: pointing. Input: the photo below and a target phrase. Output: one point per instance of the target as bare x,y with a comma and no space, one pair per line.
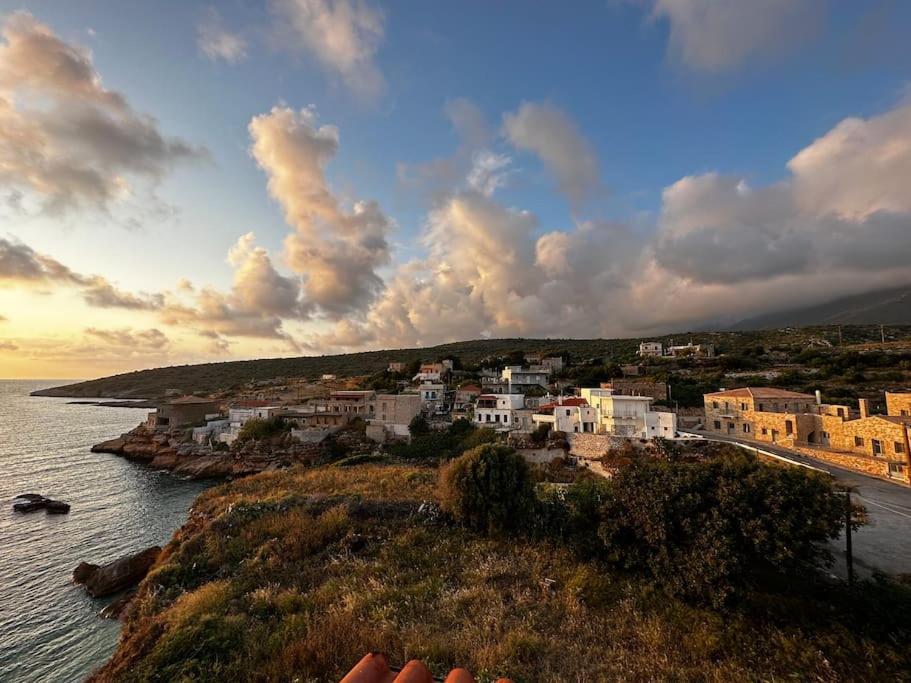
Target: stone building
876,444
185,411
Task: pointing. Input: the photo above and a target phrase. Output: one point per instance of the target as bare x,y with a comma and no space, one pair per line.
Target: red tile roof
374,668
761,392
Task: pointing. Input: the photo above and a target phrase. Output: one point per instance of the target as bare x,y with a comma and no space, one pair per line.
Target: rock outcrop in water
32,502
163,450
115,576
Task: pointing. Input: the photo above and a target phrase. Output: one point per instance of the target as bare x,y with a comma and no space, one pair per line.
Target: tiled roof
374,668
761,392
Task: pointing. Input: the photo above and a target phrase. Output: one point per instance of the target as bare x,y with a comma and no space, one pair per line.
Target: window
717,424
746,427
567,413
788,427
859,441
903,412
761,408
877,446
765,431
715,404
899,447
743,405
496,418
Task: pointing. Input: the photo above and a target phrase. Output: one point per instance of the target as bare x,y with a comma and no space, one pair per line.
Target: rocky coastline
167,451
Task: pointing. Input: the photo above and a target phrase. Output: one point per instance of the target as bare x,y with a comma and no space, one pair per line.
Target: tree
418,426
489,489
701,529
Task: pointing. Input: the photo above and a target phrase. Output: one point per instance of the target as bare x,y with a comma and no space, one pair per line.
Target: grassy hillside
295,575
212,376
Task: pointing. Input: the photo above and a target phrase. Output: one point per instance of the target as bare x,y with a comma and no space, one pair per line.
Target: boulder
205,467
111,446
117,608
32,502
117,575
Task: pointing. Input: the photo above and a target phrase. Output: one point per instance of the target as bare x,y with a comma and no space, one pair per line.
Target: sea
49,628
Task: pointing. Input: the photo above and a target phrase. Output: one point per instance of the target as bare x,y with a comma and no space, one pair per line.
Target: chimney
864,404
818,397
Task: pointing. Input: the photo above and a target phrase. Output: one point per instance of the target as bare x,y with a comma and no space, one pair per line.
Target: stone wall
898,403
878,467
541,455
592,445
638,387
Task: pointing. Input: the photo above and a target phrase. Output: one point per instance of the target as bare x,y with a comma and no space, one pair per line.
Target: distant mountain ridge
880,307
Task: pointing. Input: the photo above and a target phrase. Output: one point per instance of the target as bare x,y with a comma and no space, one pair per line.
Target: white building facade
497,410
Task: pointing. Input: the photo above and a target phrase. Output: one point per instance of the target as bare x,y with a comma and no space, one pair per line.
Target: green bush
702,529
258,429
418,426
489,489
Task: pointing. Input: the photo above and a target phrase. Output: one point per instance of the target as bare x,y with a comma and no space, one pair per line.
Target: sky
192,181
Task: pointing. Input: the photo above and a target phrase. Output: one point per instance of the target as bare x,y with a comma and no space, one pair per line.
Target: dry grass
273,590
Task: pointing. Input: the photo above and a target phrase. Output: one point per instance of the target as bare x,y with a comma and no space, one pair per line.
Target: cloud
140,340
718,251
336,249
8,346
342,35
489,171
259,300
552,135
218,43
20,264
65,138
714,37
859,167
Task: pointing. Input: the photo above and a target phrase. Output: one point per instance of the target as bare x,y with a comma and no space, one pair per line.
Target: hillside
882,307
295,575
208,377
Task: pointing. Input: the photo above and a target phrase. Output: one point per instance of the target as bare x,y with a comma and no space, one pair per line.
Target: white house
629,416
651,348
572,415
518,377
497,410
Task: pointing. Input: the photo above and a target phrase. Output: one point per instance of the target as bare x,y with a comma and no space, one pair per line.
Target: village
544,416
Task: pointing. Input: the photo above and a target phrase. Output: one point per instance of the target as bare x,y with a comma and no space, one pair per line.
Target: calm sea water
49,628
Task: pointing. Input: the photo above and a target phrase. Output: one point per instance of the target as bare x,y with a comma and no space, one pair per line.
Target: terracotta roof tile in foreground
374,668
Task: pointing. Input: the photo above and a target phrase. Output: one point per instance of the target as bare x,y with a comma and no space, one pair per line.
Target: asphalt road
885,542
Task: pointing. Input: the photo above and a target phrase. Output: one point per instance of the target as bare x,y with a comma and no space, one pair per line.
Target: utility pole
849,556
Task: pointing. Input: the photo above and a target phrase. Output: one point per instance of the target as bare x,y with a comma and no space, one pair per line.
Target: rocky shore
166,451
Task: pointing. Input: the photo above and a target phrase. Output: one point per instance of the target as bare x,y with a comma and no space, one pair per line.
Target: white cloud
65,138
342,35
218,43
336,249
550,133
719,35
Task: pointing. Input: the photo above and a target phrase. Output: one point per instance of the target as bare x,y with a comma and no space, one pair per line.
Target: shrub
702,529
489,489
258,429
418,426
